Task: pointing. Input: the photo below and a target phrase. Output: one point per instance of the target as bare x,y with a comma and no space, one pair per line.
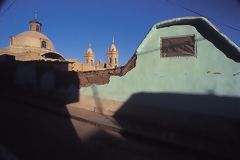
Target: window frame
45,44
180,36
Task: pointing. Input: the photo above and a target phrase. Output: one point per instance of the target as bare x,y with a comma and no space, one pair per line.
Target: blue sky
72,24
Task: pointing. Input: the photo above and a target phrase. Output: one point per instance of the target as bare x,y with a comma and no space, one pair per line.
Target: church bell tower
89,56
112,56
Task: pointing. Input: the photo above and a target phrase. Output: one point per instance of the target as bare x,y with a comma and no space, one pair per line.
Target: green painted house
187,55
181,86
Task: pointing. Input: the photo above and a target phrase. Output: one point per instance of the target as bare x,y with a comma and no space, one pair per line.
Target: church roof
31,39
33,34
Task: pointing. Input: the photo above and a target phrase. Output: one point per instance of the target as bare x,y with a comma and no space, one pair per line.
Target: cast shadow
34,122
205,123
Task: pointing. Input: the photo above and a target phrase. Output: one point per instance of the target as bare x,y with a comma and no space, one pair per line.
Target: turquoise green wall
192,75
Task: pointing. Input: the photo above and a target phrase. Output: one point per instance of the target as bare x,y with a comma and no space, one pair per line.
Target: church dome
33,45
32,39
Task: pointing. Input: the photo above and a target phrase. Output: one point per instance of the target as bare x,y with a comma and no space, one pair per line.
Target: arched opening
110,60
44,44
52,55
37,28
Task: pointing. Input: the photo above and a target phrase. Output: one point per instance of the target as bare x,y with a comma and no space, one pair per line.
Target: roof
53,56
4,51
35,21
33,34
113,48
26,39
209,31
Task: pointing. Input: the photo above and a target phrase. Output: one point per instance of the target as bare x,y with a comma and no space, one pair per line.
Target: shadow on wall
204,122
34,121
97,100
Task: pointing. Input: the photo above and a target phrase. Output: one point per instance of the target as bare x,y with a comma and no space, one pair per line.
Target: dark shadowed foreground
29,132
44,128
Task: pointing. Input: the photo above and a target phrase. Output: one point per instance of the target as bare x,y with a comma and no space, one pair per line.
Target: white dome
32,39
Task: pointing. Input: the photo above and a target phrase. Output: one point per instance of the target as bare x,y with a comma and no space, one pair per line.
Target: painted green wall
210,72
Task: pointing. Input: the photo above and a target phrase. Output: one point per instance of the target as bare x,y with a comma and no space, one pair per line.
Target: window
110,60
178,46
44,44
92,62
37,28
115,60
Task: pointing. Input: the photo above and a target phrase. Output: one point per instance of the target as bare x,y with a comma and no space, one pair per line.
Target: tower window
115,60
92,62
37,28
44,44
181,46
110,60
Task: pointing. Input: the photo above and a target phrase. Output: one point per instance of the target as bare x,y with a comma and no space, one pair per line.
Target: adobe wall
189,101
210,72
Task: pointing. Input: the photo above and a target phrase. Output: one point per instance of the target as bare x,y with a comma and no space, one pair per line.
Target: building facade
187,55
90,62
